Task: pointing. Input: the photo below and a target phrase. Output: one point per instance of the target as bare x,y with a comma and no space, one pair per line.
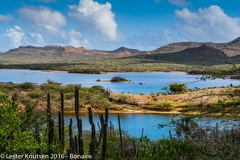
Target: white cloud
5,18
36,39
95,16
44,16
179,3
16,36
76,39
208,24
150,40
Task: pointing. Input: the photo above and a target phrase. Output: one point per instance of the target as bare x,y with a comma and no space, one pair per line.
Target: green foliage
165,106
16,130
27,85
35,94
177,87
118,79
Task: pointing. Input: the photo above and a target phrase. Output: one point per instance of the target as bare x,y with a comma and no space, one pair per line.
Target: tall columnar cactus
38,138
71,135
104,131
69,152
77,102
50,136
60,126
111,128
120,133
48,106
104,145
93,144
80,136
50,125
106,115
76,146
62,121
101,128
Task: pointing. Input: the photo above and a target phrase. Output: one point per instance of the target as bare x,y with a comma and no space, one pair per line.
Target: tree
177,87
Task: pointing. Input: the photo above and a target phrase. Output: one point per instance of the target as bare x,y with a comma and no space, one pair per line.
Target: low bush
178,87
118,79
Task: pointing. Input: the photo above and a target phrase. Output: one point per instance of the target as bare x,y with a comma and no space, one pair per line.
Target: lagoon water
132,123
151,82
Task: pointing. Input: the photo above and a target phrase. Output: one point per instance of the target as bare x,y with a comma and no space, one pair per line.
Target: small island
115,79
118,79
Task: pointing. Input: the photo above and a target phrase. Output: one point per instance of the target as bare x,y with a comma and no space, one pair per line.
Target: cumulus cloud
76,39
5,18
150,40
36,39
208,24
43,16
95,16
16,36
179,3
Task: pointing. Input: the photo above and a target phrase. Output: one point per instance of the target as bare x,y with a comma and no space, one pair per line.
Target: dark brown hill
207,53
204,54
231,48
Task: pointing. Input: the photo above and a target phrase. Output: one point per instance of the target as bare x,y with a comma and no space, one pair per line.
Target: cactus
111,128
93,144
104,132
76,149
60,126
106,115
104,145
154,150
80,137
77,102
120,133
62,121
170,134
100,128
69,152
51,131
71,135
50,135
48,106
38,137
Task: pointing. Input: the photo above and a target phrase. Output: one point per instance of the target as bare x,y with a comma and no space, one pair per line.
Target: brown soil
136,102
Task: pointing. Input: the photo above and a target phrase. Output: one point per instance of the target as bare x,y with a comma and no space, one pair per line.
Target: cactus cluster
76,141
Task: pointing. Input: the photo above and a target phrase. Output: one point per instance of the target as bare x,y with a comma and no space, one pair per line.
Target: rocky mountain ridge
181,52
231,48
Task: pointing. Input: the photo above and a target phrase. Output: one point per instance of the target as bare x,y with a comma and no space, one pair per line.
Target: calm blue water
151,82
133,123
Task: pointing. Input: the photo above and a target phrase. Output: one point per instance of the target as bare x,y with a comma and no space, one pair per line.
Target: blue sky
110,24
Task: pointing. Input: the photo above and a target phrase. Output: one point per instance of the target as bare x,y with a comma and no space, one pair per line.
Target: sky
110,24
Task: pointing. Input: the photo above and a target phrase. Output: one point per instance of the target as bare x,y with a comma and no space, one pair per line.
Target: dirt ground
205,96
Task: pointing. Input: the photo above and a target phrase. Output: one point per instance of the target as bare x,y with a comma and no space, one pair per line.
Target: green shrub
16,135
118,79
35,94
165,106
178,87
27,85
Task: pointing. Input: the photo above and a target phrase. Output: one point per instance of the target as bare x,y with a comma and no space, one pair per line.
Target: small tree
178,87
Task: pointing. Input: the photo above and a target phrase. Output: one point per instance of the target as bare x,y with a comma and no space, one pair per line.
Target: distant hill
231,48
124,49
52,51
204,54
